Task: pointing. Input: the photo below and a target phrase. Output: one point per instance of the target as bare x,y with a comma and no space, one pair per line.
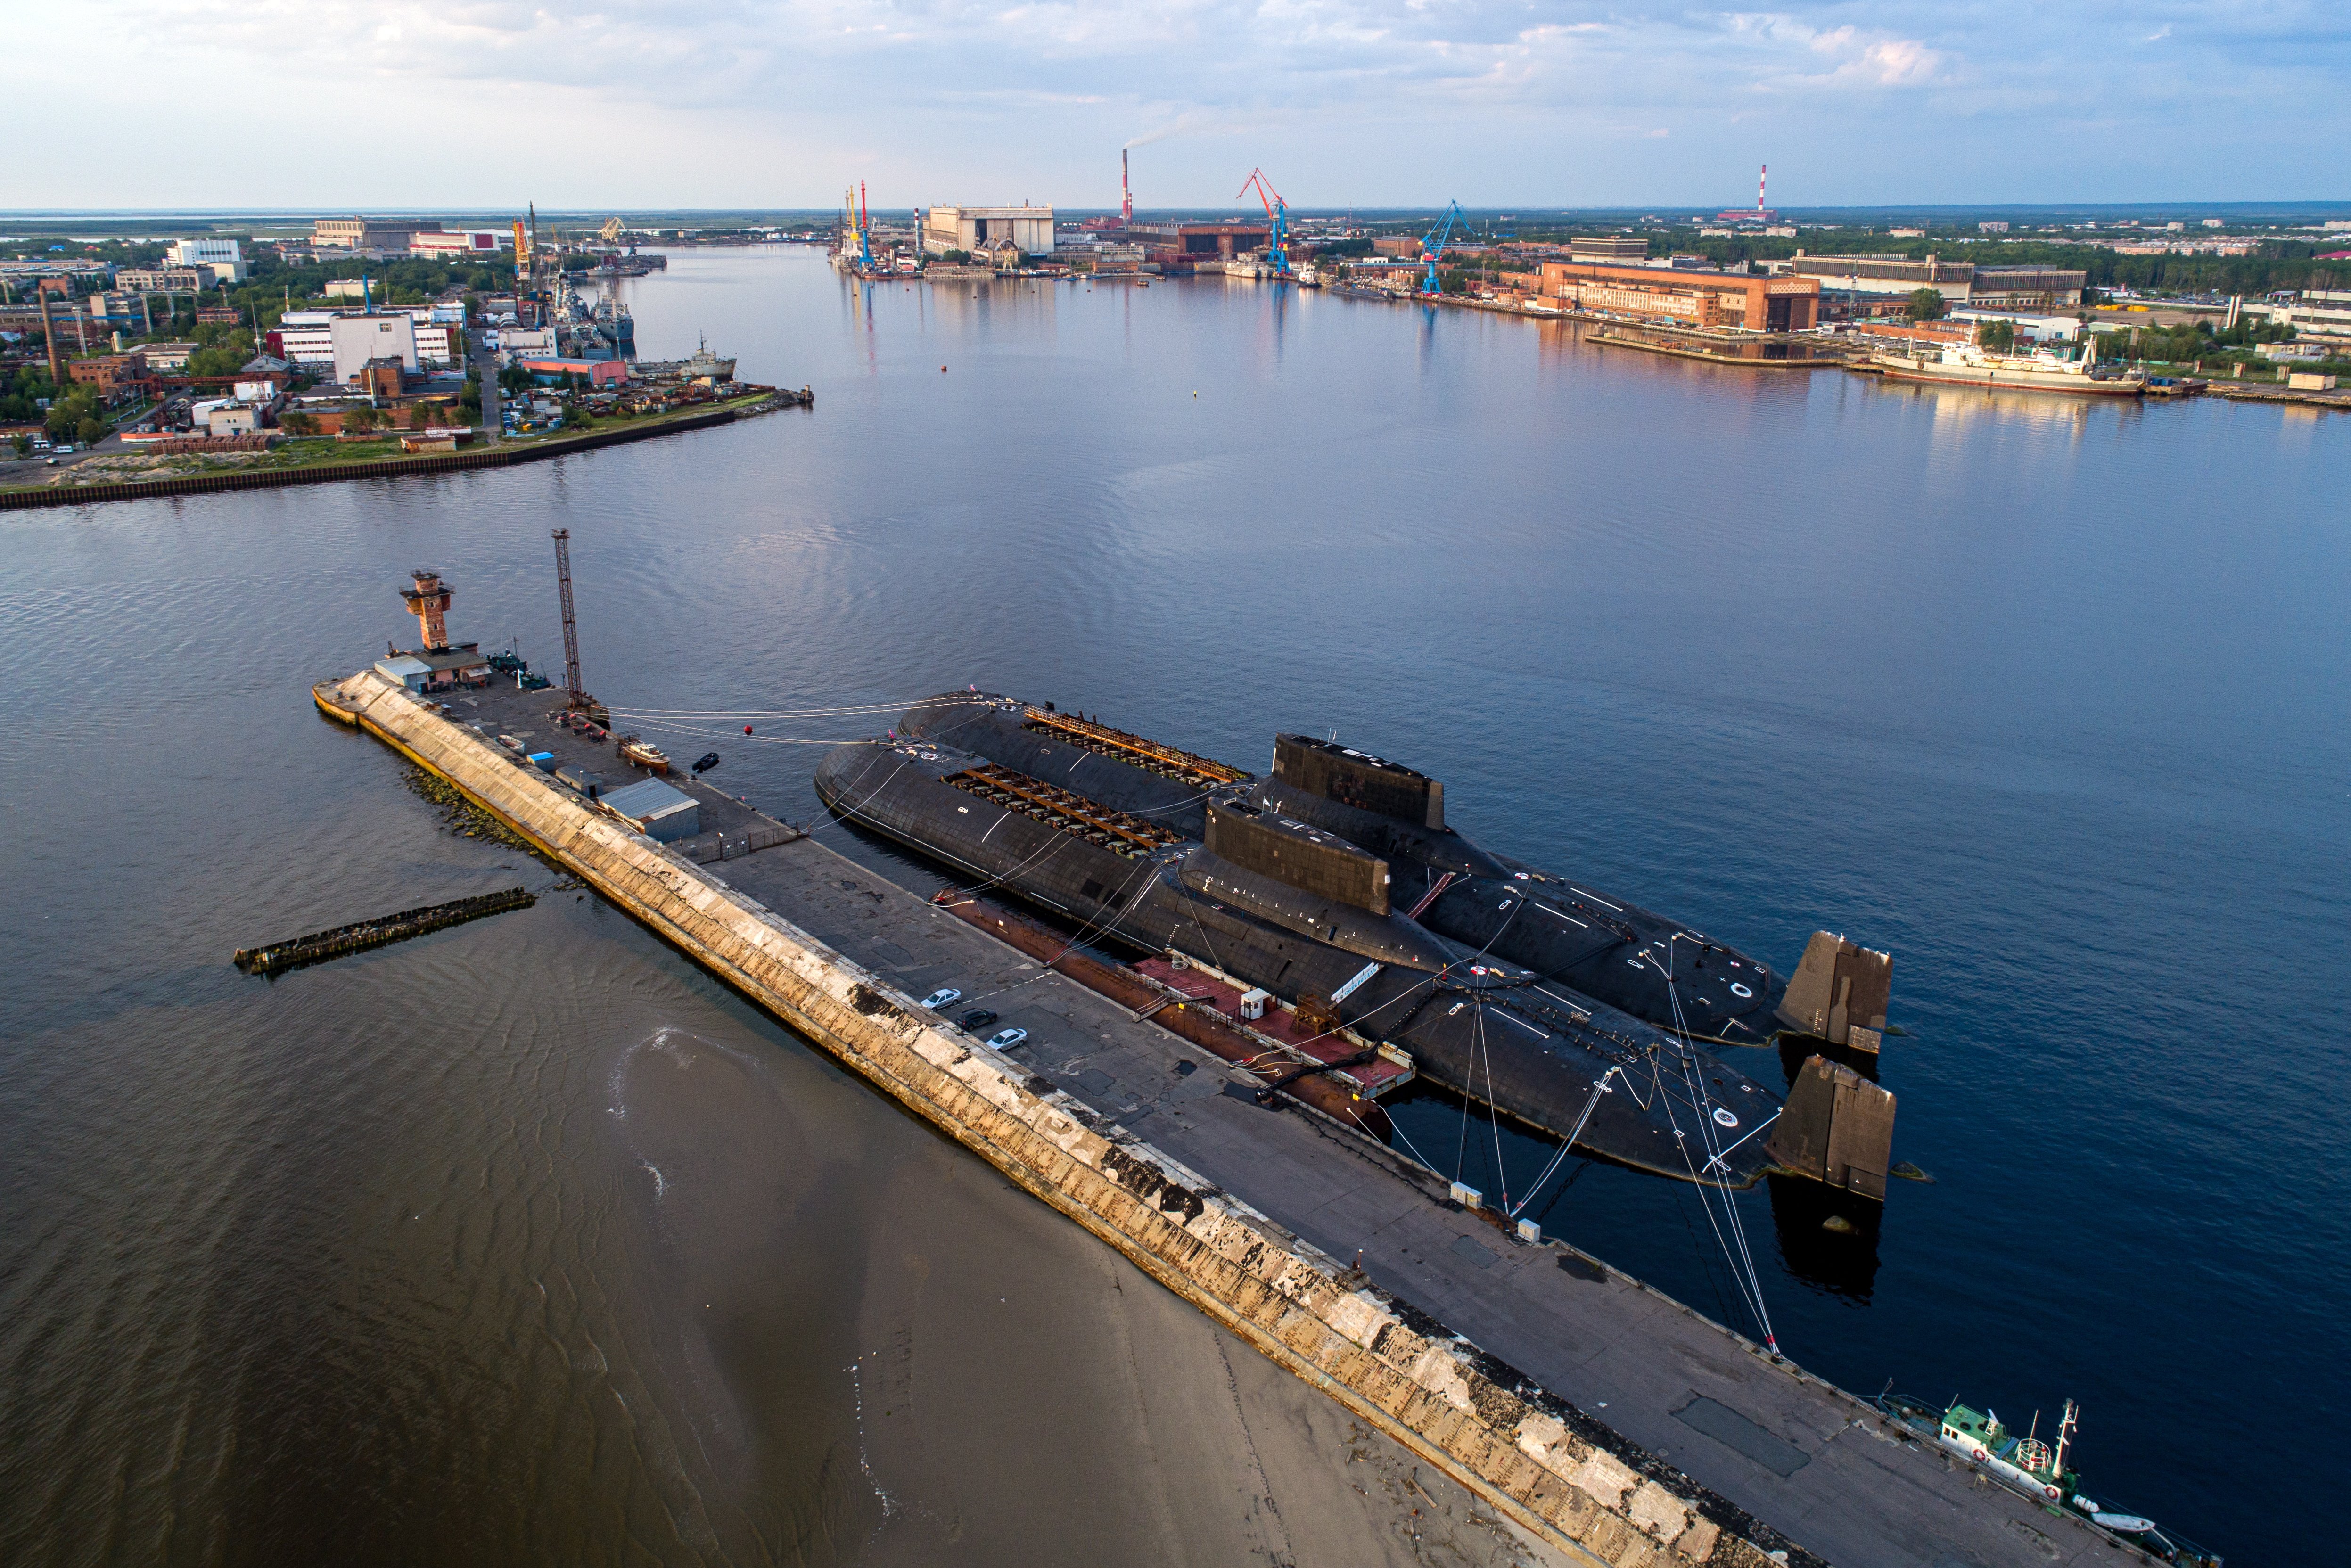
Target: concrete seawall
1559,1475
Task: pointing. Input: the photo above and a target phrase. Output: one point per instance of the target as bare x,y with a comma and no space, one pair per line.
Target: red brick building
109,373
1678,297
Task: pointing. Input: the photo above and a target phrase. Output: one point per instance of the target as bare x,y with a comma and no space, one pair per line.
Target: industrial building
161,280
975,229
363,234
663,812
320,339
599,373
1680,298
221,258
1884,279
1616,248
483,243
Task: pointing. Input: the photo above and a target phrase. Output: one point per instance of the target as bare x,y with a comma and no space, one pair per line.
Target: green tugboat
2037,1469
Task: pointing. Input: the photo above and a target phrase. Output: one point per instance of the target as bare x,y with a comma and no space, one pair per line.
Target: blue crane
1276,213
1432,245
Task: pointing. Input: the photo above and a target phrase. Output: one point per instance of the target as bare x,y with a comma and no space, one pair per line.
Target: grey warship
1334,885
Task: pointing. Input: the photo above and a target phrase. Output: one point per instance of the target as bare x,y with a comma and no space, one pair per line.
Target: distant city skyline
779,103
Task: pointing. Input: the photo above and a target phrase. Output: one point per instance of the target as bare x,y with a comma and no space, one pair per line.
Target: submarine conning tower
1358,778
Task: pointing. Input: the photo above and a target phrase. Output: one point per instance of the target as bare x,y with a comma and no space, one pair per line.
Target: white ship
1965,364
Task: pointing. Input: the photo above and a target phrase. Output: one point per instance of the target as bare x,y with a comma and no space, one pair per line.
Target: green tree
2000,337
1926,304
90,431
299,423
360,420
66,413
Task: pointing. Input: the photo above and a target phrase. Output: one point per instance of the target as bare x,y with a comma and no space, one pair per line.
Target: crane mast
576,697
1432,247
1276,213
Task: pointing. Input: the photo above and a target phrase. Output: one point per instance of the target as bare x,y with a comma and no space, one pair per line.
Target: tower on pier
429,602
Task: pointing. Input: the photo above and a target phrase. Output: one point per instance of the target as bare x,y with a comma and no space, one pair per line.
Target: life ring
1979,1456
2050,1492
1740,991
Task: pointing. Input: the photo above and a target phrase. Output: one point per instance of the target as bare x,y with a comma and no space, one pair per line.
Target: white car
1005,1038
945,997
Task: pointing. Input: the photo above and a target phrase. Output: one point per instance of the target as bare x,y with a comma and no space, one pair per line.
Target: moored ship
1966,364
1334,887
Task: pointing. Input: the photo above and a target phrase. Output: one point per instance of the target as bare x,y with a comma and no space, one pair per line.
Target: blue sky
397,103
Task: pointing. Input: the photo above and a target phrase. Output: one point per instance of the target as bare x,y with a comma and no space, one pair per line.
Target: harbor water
526,1241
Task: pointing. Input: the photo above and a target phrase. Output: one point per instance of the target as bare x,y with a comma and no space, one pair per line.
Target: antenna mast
570,626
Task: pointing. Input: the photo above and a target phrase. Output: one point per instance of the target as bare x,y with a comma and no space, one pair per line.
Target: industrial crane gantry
1276,213
1432,246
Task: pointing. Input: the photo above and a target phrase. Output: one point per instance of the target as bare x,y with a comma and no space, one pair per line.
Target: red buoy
746,729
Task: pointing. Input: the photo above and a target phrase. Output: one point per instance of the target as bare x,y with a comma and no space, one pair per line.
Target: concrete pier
1489,1357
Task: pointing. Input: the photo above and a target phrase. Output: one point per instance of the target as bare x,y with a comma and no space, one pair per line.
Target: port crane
1276,213
1432,245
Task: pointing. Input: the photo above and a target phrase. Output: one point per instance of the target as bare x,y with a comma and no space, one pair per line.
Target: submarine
1334,885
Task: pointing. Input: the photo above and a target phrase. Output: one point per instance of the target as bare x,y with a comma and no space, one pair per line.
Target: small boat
2031,1467
643,754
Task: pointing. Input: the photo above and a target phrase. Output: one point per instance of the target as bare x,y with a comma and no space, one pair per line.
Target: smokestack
1126,193
1762,173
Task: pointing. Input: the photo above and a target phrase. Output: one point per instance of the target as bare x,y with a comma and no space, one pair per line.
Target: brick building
1676,296
109,373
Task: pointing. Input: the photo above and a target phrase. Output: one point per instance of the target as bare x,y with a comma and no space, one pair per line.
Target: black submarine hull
1498,1034
1606,947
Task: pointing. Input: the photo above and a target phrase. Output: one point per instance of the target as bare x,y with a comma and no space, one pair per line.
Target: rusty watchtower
429,602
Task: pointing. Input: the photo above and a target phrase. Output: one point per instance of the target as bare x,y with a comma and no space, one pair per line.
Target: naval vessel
1334,887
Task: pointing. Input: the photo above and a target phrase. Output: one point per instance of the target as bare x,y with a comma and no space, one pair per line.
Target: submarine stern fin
1839,993
1838,1128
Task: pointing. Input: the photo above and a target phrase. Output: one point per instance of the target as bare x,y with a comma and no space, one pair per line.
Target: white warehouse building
977,228
322,339
221,255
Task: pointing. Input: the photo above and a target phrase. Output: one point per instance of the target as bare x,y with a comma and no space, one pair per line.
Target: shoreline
68,493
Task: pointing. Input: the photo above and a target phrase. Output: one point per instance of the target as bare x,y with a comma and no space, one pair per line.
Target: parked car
977,1019
945,997
1005,1038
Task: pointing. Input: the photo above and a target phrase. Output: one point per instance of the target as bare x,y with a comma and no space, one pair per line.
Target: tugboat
2031,1467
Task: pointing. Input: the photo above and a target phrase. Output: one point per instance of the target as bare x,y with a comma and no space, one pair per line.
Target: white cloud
778,101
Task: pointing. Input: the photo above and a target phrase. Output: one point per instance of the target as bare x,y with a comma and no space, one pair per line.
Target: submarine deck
1806,1457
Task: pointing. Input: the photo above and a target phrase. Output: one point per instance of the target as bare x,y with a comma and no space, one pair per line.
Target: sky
361,105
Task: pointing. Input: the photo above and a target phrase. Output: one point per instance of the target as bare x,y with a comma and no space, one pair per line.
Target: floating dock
1489,1354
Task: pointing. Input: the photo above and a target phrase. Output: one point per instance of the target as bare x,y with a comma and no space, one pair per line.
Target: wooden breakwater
321,946
1536,1458
69,494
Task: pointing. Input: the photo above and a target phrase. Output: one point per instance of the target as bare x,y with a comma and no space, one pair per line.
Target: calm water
523,1241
